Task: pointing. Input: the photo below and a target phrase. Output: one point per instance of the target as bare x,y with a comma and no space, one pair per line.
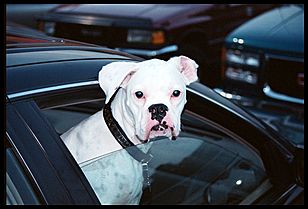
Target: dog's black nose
158,111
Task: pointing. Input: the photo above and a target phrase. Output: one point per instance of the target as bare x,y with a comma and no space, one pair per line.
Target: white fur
118,178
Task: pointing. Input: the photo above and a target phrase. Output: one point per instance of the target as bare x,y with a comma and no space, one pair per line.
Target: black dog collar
120,135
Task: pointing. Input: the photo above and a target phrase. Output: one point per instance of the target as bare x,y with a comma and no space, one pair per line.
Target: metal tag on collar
146,174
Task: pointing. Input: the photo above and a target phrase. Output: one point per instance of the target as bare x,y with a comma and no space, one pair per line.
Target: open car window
205,165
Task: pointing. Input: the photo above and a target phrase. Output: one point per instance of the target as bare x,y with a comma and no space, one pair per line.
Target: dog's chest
116,178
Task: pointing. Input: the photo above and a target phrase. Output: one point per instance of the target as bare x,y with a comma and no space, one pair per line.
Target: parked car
224,155
154,30
263,66
25,14
19,34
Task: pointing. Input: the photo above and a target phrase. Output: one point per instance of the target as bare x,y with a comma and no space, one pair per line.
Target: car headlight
241,75
243,58
145,36
241,66
49,28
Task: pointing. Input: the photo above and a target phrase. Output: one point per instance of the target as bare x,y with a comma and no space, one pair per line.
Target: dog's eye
139,94
176,93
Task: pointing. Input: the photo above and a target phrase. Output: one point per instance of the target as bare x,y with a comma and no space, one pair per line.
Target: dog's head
154,93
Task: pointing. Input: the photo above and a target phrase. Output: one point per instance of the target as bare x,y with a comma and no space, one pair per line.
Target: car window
205,165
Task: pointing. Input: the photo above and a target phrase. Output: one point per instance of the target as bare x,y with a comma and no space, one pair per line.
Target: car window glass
203,166
18,188
194,169
65,117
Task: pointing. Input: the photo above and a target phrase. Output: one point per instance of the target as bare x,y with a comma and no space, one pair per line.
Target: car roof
18,35
134,15
40,67
46,54
30,52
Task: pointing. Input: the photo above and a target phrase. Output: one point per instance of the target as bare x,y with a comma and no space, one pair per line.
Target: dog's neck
121,115
125,120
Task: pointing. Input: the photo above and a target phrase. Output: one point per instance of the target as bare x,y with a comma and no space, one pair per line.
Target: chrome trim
217,103
254,195
234,112
227,95
270,93
52,88
267,91
150,53
284,57
24,164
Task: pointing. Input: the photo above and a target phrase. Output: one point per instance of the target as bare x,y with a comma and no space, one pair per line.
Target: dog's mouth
161,129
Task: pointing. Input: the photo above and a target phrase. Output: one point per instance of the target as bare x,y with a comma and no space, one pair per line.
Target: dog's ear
114,75
187,67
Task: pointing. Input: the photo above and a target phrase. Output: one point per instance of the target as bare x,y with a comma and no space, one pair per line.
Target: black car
154,30
263,67
223,155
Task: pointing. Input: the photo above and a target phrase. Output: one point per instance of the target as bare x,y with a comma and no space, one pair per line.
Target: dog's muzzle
158,111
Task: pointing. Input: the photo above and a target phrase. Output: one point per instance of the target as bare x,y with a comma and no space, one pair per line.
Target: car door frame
53,173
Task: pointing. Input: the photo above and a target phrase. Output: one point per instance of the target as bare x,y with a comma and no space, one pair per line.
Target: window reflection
197,169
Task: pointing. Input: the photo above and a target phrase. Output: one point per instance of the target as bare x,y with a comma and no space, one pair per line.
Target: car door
212,162
43,164
218,156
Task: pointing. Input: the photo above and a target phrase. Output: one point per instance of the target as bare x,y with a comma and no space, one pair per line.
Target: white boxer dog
146,101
